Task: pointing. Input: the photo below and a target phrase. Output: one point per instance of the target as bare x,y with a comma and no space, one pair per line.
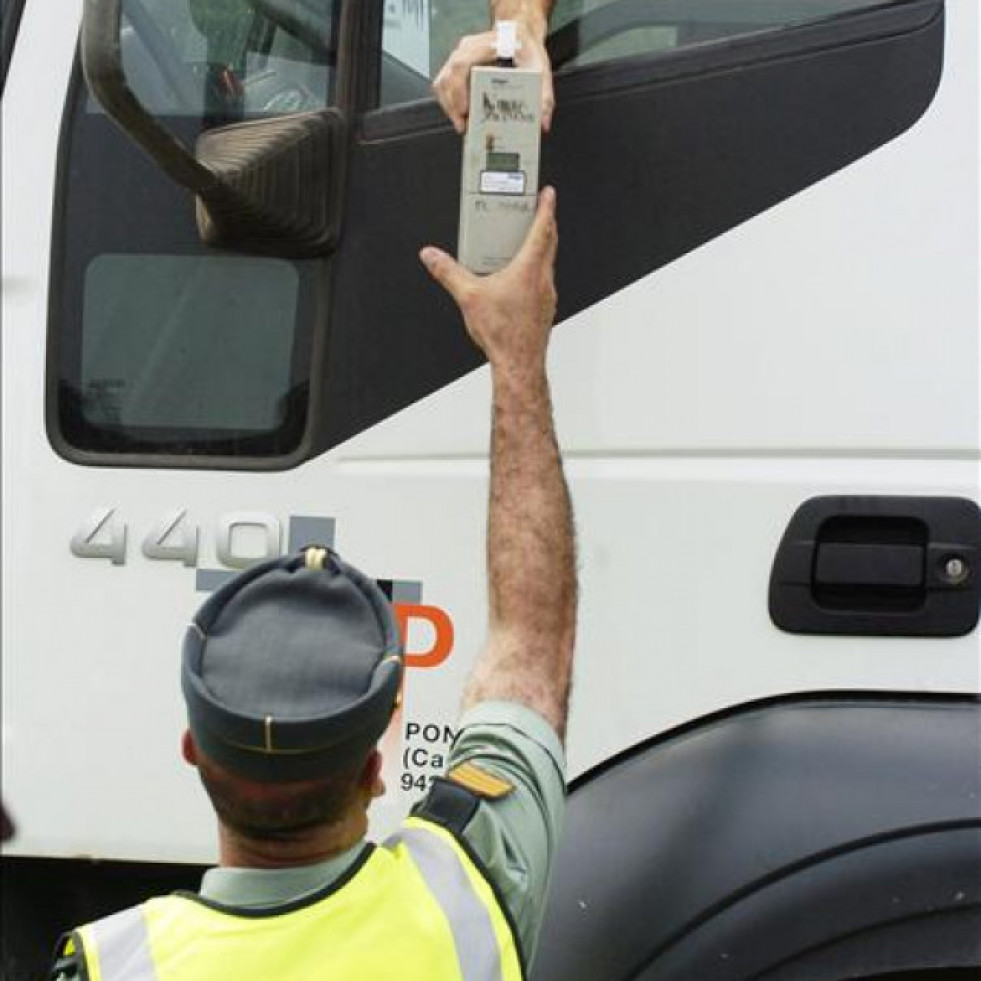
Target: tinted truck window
419,35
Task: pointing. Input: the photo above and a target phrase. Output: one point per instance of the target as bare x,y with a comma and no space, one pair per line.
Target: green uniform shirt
514,836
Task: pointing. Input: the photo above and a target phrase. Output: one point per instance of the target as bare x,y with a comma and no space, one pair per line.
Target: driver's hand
452,84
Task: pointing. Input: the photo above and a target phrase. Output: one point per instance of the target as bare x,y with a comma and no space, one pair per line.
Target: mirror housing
274,184
263,186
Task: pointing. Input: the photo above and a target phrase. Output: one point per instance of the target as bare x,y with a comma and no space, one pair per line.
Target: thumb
548,102
445,270
542,236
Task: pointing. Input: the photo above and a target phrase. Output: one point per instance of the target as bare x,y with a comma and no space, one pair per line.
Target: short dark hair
278,811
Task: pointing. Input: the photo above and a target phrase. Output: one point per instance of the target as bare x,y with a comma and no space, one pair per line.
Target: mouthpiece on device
507,43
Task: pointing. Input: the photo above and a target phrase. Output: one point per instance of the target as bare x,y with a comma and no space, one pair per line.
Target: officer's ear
371,775
189,748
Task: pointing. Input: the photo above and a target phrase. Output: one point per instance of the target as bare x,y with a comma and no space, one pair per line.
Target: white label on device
502,182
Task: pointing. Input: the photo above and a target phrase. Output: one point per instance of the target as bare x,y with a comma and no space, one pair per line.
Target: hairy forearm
534,13
530,556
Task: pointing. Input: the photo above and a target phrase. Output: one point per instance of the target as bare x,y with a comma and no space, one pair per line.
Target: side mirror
262,186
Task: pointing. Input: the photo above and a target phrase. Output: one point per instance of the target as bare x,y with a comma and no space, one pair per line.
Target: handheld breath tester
499,187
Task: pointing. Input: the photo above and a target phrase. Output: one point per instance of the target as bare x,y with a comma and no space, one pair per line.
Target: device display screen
503,161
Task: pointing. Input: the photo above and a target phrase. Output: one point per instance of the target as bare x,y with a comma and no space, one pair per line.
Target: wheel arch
779,840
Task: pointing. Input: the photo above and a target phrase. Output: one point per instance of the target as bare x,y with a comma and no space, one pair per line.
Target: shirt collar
273,887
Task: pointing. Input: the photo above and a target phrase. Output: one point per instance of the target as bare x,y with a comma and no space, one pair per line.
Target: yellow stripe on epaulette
481,782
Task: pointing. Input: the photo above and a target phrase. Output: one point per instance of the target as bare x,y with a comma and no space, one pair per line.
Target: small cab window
154,327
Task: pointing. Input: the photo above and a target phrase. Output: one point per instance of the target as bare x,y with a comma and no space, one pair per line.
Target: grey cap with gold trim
292,670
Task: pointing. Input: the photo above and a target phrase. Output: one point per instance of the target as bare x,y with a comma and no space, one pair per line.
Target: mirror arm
102,64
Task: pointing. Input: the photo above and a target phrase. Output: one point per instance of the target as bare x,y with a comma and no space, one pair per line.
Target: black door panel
652,158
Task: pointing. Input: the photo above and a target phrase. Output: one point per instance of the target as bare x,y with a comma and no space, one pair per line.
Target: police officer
291,673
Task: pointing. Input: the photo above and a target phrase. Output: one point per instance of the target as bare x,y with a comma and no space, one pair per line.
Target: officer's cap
292,669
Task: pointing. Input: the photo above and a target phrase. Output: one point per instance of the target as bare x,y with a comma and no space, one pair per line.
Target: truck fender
807,837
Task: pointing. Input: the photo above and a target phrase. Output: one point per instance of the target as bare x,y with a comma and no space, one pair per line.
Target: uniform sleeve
515,835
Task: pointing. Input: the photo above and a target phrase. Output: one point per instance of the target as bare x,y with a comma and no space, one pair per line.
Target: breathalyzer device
499,186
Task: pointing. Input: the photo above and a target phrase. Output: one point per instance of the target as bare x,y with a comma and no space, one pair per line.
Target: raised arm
530,536
452,84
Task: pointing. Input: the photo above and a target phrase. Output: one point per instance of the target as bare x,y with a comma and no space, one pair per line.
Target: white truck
218,344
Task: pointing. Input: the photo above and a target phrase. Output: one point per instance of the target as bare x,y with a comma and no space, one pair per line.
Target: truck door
754,250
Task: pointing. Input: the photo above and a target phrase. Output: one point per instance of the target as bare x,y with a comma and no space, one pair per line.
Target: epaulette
481,781
69,960
453,800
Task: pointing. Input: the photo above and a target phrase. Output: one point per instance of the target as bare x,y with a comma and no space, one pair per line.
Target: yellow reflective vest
416,909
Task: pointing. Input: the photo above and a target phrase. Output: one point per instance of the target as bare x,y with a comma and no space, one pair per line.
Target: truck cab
219,345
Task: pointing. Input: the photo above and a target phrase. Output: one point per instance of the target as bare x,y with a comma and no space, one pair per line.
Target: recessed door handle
889,566
873,565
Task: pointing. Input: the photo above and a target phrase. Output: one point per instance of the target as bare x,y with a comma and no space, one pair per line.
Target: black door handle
888,566
859,564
